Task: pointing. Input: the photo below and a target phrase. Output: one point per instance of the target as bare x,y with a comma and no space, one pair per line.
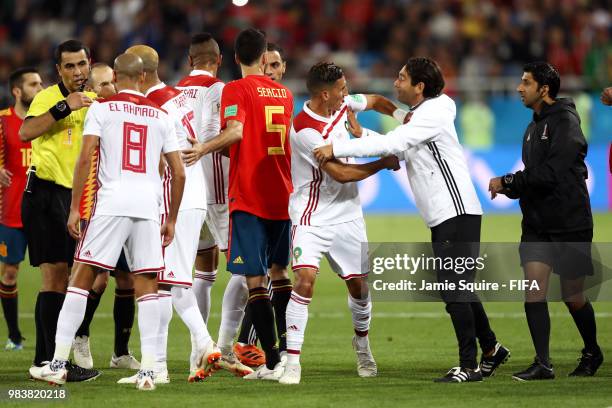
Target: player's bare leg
360,304
297,319
8,296
70,317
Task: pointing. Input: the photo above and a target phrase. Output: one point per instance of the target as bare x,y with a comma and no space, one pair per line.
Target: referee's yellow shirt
55,152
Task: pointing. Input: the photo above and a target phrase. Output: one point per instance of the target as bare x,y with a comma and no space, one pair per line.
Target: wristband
400,115
60,110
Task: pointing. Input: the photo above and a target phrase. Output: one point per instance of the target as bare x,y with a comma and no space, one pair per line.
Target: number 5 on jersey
134,147
276,128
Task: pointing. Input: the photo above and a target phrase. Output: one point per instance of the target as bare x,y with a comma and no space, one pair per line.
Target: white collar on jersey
155,88
131,91
313,115
200,72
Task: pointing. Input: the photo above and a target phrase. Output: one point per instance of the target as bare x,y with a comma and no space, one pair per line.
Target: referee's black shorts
44,213
567,253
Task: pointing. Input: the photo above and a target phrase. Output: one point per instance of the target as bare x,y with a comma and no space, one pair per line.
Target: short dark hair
250,44
427,71
69,46
275,47
545,74
16,77
322,75
200,38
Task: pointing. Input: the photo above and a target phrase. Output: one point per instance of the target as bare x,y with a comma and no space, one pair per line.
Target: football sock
263,320
165,315
297,319
123,312
463,323
361,312
232,310
149,321
8,297
585,322
50,306
69,320
281,292
538,321
202,284
93,300
246,328
187,308
486,336
41,348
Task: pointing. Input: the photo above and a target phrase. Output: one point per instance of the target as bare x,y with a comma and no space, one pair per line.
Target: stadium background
481,46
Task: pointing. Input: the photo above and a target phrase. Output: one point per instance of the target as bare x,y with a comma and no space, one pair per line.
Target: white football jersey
133,133
203,93
175,103
317,198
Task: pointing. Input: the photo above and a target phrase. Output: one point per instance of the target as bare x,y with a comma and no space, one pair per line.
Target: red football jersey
15,156
260,164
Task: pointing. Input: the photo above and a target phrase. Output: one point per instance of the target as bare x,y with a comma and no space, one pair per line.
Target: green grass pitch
412,343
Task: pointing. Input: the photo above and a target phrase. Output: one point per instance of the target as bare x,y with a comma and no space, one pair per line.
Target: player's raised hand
78,100
74,220
391,162
192,155
167,232
324,154
353,125
5,177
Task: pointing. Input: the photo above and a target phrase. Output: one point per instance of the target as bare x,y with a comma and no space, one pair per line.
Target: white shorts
342,245
105,235
215,229
180,255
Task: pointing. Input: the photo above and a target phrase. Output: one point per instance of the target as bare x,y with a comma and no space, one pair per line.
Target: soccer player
255,119
176,279
54,125
131,133
24,84
246,347
101,82
557,226
445,197
325,211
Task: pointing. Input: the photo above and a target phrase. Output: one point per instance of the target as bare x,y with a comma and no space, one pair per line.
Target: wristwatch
61,106
507,180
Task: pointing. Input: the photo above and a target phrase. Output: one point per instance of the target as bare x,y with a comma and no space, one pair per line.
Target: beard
27,101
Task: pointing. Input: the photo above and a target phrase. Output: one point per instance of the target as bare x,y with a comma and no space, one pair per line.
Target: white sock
297,319
361,310
148,325
202,284
232,310
165,315
68,322
194,352
187,308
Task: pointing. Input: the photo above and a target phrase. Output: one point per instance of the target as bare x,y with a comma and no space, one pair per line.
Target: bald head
204,49
128,66
150,59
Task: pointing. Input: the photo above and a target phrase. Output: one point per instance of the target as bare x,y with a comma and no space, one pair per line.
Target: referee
54,125
557,227
446,198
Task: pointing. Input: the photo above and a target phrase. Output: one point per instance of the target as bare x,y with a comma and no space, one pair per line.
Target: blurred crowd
370,38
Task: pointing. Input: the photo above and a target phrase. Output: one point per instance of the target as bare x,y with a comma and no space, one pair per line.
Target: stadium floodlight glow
240,3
